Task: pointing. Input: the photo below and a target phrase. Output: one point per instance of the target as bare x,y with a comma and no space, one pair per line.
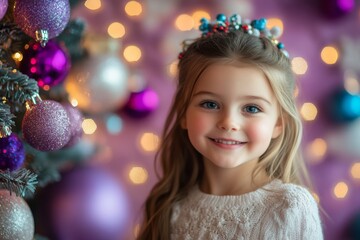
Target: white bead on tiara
255,27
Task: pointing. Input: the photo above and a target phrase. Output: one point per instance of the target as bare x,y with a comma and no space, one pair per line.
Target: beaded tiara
234,23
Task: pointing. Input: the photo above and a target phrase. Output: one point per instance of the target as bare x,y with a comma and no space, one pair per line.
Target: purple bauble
36,15
337,8
48,65
142,103
12,153
46,126
76,119
3,8
87,204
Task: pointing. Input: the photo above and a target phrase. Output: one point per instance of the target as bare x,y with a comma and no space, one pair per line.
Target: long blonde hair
180,164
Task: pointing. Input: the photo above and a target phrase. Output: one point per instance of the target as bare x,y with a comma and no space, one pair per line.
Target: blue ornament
259,24
12,153
221,17
345,107
280,45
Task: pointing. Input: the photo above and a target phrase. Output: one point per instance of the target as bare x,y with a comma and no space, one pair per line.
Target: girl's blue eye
252,109
209,105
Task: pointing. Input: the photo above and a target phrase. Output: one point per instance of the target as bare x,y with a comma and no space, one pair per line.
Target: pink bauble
46,126
76,119
3,8
48,65
35,15
141,104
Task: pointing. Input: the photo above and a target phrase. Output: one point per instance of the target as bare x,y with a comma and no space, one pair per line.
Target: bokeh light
132,53
308,111
114,124
184,22
17,56
149,142
299,65
329,55
138,175
89,126
351,83
316,150
341,190
197,16
275,22
133,8
92,4
355,171
116,30
173,68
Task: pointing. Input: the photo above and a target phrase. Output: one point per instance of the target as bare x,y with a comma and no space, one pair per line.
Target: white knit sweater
277,211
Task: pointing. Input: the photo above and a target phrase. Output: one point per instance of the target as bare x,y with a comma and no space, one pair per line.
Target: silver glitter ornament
16,219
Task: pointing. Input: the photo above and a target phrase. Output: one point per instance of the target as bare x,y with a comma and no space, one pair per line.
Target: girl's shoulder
292,195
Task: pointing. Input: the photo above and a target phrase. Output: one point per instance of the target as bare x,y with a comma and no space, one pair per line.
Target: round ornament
345,107
42,19
3,8
48,65
12,153
46,126
76,118
88,203
16,219
141,104
99,84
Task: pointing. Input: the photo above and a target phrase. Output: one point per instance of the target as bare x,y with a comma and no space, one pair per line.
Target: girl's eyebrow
252,97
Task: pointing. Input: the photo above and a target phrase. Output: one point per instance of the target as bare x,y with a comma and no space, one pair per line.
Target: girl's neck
234,181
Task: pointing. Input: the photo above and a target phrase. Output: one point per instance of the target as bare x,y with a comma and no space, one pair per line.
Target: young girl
230,160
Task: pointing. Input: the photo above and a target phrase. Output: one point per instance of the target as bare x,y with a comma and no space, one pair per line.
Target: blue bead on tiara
255,27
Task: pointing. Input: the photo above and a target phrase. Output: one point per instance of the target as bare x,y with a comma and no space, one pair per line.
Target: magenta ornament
12,153
48,65
76,118
46,126
42,19
142,103
3,8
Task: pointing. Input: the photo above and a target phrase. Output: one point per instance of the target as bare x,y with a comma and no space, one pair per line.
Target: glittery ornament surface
48,65
46,126
3,8
76,118
34,15
12,153
16,220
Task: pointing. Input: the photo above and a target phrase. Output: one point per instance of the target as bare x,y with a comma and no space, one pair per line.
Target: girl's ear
278,128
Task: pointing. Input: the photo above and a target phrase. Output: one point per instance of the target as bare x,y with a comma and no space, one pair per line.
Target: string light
341,190
138,175
132,53
92,4
133,8
329,55
299,65
149,142
116,30
308,111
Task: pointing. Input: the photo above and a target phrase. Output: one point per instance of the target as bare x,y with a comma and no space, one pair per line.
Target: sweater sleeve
296,217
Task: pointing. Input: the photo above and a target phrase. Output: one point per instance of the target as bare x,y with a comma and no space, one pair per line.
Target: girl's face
232,116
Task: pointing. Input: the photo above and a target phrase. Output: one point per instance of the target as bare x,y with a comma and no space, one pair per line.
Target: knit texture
276,211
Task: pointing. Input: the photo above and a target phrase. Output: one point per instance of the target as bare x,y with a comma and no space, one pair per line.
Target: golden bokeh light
184,22
116,30
275,22
329,55
299,65
73,102
132,53
308,111
341,190
316,150
133,8
92,4
138,175
197,16
355,171
149,142
173,68
18,56
89,126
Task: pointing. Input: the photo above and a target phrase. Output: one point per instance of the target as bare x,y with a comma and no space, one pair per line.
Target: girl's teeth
226,142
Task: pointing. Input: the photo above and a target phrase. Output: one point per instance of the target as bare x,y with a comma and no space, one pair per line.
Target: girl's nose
229,122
